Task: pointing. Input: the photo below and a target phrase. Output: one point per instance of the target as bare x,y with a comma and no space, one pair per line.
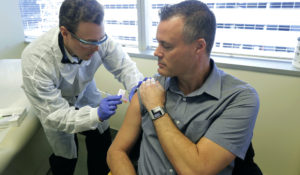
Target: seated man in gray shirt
194,118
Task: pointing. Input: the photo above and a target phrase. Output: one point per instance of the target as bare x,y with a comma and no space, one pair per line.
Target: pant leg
97,146
63,166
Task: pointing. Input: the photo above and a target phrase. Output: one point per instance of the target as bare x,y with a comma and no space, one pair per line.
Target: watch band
157,112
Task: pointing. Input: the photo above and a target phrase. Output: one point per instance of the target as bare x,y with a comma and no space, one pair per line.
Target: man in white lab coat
58,73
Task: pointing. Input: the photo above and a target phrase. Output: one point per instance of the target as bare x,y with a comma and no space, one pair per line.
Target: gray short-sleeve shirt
223,110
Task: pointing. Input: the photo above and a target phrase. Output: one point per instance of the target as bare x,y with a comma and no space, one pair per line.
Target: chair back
246,166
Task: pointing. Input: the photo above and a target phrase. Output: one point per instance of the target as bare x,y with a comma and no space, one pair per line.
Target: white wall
277,132
11,46
11,33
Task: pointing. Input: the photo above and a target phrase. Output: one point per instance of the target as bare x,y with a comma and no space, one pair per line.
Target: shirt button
171,170
177,122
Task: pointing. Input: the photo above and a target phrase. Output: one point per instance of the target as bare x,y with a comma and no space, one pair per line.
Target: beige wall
276,135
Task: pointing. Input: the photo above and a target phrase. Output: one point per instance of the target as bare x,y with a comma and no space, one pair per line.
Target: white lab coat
55,89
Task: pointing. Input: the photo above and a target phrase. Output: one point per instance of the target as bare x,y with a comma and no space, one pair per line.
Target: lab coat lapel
67,71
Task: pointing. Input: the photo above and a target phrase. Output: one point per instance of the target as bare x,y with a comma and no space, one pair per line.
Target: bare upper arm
130,129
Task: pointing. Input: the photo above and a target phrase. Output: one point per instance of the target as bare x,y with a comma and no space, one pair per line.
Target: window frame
247,63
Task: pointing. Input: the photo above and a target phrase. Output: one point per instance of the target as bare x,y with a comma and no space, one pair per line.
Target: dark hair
74,11
199,20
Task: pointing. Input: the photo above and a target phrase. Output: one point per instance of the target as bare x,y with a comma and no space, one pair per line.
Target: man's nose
157,52
95,48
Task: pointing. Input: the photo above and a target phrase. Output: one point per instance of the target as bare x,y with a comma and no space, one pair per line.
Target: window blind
265,29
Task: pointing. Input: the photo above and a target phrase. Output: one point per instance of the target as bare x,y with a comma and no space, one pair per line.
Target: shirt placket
180,107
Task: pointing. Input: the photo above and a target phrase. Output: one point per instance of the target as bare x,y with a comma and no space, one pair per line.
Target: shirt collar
211,86
67,69
67,58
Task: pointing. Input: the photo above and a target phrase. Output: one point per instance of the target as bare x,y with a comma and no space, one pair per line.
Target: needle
108,94
121,92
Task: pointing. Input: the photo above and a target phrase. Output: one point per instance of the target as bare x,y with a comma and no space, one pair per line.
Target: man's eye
167,47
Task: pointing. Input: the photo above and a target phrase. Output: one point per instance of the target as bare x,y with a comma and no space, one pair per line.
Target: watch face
157,114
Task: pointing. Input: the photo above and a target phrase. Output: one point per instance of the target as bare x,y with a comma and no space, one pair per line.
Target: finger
158,84
140,82
112,113
114,97
143,86
146,78
112,107
148,82
152,81
116,102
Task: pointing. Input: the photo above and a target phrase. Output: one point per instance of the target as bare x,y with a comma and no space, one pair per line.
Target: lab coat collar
67,58
68,71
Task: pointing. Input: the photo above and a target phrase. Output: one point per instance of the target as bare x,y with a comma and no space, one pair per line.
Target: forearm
54,111
119,163
204,157
70,120
181,152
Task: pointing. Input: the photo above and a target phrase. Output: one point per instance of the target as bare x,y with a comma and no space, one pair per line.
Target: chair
246,166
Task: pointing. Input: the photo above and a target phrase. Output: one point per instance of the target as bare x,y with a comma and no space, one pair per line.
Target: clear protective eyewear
89,44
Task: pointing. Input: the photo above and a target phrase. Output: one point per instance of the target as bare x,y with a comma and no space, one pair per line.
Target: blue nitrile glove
108,106
134,89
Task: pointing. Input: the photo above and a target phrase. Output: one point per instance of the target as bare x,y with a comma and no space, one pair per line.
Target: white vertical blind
268,29
251,28
38,16
121,21
120,18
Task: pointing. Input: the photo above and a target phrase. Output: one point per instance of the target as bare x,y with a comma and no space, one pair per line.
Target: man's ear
200,45
64,31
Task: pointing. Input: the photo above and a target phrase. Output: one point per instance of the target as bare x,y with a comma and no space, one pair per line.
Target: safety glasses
89,44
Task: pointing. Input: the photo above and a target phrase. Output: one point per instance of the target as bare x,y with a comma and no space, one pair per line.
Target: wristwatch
157,112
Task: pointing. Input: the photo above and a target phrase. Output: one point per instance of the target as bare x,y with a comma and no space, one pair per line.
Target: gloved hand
134,89
108,106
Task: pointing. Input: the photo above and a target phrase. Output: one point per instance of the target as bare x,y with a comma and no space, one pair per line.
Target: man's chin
87,57
163,73
90,55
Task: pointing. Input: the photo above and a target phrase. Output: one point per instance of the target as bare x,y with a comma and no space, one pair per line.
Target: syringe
105,93
121,92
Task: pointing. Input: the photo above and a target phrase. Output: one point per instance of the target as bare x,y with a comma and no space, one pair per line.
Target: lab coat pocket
197,129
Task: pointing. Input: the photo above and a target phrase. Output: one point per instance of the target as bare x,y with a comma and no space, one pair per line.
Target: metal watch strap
157,112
